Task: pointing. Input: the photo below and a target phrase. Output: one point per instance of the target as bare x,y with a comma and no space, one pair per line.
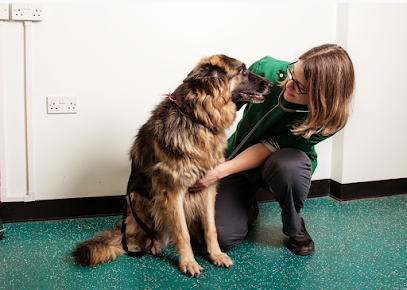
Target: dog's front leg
173,207
218,258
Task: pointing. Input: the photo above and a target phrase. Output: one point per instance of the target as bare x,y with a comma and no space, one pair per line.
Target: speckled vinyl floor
359,245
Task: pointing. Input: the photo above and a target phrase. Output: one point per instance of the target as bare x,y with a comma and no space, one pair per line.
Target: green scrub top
278,124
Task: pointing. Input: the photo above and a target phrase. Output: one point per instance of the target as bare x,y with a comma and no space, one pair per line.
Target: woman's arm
252,157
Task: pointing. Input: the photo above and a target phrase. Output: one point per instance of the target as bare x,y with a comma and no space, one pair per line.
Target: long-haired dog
182,141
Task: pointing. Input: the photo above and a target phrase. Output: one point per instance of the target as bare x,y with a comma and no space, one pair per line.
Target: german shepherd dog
182,141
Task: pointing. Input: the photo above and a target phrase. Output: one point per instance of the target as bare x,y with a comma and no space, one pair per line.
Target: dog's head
209,89
220,72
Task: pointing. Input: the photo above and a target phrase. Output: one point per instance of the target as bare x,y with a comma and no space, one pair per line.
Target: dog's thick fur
178,145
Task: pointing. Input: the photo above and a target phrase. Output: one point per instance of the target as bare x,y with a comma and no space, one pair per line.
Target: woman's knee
228,240
288,171
232,210
287,166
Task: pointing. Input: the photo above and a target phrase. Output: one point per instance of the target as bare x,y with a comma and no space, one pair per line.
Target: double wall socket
62,105
4,14
27,11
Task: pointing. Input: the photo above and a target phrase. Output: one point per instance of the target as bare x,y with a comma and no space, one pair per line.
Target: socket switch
27,11
62,105
4,14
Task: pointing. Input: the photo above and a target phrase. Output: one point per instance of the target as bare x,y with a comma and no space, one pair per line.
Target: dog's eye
243,71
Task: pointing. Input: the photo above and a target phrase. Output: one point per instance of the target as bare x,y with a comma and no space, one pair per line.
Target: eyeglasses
291,78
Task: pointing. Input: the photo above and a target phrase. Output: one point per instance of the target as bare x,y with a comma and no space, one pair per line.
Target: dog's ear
205,71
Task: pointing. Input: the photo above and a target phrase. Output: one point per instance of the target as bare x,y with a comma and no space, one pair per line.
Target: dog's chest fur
174,149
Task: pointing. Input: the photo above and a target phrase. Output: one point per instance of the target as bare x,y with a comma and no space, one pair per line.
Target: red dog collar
172,99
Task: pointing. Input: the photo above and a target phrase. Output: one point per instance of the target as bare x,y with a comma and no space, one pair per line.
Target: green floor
359,245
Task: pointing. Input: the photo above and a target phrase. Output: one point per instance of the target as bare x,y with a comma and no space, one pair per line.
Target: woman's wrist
222,170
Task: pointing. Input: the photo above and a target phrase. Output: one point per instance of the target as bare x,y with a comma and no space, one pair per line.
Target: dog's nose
267,82
268,85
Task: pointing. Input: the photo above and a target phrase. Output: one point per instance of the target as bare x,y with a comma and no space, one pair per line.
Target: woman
280,155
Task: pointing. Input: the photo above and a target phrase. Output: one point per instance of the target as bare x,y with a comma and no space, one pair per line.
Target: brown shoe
302,244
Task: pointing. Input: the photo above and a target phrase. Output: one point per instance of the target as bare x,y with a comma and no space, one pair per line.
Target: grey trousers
286,174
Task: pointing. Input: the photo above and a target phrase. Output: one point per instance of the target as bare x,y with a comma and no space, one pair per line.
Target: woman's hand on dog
210,178
252,157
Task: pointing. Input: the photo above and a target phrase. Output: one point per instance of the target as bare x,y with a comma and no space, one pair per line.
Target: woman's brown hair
330,78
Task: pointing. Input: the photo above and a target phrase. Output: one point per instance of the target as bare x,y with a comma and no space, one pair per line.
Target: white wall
375,138
120,59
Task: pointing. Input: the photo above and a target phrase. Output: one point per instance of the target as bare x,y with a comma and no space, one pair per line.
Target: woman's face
290,94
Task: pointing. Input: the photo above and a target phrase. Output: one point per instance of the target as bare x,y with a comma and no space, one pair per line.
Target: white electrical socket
62,105
27,11
4,14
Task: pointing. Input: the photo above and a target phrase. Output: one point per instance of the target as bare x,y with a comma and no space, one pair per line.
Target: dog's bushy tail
102,248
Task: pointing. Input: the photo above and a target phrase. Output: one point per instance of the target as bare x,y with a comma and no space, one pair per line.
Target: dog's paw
221,260
191,269
155,250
